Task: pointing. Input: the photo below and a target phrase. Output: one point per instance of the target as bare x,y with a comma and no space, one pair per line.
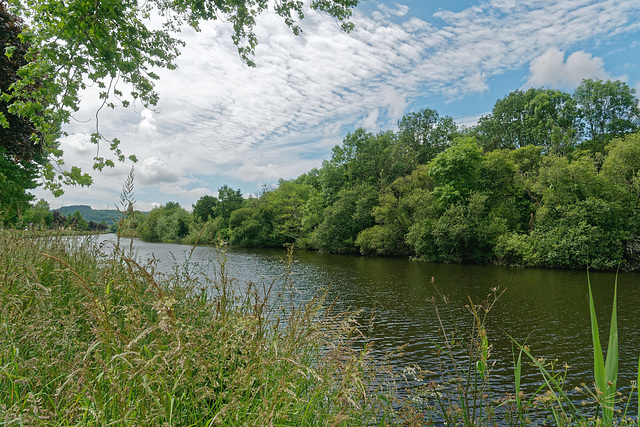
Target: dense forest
547,179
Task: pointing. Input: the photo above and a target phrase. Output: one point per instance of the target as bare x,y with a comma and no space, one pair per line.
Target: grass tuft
90,337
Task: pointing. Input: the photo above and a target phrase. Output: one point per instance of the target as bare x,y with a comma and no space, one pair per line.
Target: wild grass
459,389
94,337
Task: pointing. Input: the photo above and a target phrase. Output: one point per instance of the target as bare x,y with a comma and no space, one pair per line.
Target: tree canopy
116,45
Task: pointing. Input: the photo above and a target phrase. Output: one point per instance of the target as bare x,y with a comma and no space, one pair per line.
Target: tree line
547,179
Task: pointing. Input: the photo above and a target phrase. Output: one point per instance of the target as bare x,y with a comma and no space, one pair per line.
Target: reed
606,374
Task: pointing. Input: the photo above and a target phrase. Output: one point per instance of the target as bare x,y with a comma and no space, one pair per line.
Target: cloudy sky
220,122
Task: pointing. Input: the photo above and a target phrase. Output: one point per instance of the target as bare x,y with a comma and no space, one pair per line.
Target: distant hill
109,216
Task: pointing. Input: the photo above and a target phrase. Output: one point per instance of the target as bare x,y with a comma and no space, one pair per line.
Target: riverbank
90,337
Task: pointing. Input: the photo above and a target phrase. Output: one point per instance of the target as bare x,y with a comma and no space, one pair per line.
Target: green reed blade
611,365
605,374
518,377
598,359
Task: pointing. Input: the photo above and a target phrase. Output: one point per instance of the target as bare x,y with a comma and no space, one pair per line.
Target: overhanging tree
20,147
116,44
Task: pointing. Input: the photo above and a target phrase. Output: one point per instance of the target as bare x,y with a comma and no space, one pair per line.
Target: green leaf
605,374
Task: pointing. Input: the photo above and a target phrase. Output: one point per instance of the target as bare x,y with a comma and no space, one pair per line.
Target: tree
455,171
285,206
229,201
18,136
396,213
608,110
422,135
541,117
77,222
116,43
622,166
168,223
20,148
204,208
16,177
348,216
362,158
40,214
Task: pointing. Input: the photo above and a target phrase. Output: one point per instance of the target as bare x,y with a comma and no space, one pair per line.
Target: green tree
77,222
421,136
363,158
455,171
18,137
285,206
117,44
622,166
168,223
247,228
229,201
20,147
542,117
40,215
400,205
16,178
608,110
345,219
205,207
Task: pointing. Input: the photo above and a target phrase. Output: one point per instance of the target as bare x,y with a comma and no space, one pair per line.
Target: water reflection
547,309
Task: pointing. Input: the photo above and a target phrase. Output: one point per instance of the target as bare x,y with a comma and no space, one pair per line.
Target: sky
220,122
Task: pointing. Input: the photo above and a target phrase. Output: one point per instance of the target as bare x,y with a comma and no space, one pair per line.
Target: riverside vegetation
94,336
548,179
543,181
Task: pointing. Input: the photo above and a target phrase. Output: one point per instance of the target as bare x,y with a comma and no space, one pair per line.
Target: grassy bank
91,336
95,339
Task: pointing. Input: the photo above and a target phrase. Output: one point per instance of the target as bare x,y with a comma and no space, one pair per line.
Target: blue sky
220,122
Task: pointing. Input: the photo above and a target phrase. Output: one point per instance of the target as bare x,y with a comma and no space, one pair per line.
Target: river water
546,309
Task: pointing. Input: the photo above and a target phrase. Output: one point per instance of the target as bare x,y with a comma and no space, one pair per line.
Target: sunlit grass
90,337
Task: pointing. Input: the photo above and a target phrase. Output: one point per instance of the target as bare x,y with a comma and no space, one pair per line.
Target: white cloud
252,172
179,190
219,118
78,144
147,126
370,121
155,171
551,70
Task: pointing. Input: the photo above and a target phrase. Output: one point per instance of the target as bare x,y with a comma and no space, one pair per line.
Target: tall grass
457,389
93,336
89,337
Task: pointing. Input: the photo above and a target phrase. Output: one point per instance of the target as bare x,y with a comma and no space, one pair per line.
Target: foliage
109,216
423,135
608,110
539,117
606,374
344,219
205,208
116,46
17,134
167,223
16,178
546,205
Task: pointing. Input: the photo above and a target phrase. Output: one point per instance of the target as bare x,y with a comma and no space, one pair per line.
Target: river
547,309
